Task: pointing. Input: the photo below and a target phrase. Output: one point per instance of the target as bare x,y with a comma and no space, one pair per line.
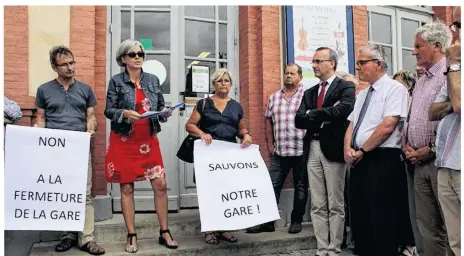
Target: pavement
311,252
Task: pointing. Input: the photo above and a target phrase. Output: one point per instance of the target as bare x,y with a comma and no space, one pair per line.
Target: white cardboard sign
233,186
45,178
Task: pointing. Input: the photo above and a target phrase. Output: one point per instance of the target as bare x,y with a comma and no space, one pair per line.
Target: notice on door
233,186
45,178
200,79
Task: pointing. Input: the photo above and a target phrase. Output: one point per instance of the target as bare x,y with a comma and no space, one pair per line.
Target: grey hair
124,49
378,53
332,55
435,32
343,75
219,73
409,78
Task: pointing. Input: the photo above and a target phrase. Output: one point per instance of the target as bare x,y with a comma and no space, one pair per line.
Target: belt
315,136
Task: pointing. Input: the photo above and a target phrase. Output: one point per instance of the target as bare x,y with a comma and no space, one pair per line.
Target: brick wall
88,43
16,62
100,185
360,27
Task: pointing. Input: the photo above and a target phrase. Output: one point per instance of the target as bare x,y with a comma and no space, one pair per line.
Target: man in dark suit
323,112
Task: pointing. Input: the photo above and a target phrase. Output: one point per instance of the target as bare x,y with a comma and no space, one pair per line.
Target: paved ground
312,252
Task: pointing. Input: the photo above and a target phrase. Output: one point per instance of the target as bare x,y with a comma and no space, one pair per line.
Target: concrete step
185,223
279,241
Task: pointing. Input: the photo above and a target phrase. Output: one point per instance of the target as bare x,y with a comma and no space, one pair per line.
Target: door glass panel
154,26
381,28
200,11
223,12
125,25
165,59
409,61
388,51
408,28
200,38
222,41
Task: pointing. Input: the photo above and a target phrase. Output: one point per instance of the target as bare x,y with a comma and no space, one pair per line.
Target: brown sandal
230,238
92,248
212,238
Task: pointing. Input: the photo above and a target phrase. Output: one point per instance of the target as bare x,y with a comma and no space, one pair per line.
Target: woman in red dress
134,152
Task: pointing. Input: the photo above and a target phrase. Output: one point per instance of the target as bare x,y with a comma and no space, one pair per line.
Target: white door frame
143,191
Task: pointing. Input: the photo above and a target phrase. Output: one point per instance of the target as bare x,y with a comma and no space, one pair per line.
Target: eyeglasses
222,81
363,62
133,54
71,63
318,61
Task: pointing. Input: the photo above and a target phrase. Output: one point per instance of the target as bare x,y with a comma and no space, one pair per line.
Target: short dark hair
300,71
60,49
332,55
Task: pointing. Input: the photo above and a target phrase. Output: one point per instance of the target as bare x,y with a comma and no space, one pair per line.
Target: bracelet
453,68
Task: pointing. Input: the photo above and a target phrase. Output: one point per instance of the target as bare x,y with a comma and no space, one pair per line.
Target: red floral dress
136,157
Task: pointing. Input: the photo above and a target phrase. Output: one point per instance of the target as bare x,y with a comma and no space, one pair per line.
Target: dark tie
320,98
361,116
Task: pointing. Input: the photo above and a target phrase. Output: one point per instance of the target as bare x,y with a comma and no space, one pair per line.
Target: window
394,28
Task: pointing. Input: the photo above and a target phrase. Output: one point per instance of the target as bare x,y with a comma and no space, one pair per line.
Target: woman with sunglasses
221,119
134,153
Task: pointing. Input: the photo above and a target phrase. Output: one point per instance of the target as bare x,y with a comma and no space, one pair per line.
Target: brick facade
16,60
260,69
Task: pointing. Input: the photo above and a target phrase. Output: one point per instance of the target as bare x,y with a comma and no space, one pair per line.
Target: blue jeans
279,169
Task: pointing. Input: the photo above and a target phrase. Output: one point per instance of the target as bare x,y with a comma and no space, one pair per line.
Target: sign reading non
233,186
45,178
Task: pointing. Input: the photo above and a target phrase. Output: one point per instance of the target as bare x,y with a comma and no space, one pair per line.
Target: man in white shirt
379,196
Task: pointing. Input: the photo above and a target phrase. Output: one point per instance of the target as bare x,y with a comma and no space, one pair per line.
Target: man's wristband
362,150
453,68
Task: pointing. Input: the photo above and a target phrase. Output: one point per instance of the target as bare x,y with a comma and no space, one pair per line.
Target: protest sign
233,186
45,178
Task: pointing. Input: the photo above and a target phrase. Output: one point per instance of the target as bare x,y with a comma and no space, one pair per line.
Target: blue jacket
121,96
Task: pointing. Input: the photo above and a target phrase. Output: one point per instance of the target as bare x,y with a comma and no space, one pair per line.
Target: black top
221,126
65,109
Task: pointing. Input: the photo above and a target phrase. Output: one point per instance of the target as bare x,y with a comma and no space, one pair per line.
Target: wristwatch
362,150
249,133
432,148
453,68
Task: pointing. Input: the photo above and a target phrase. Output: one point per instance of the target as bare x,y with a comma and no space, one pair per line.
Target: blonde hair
219,73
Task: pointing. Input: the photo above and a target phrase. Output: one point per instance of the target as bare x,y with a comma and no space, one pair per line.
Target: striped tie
361,117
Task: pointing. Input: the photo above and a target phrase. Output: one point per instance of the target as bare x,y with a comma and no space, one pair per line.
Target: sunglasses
71,63
133,54
364,62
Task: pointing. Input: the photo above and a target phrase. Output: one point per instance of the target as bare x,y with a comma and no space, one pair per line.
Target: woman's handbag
185,152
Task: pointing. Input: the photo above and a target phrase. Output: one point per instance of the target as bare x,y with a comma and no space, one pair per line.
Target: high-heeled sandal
163,241
131,248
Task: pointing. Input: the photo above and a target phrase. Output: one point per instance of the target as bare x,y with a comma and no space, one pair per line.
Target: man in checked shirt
285,143
430,43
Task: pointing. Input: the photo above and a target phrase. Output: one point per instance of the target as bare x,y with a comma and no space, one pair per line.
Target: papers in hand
150,114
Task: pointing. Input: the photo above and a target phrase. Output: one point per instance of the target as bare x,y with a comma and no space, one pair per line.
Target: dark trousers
379,203
279,169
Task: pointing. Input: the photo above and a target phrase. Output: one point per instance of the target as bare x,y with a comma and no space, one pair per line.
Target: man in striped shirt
447,108
285,143
430,43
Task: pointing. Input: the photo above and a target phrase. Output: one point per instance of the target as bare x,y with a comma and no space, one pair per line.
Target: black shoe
65,244
266,227
295,228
